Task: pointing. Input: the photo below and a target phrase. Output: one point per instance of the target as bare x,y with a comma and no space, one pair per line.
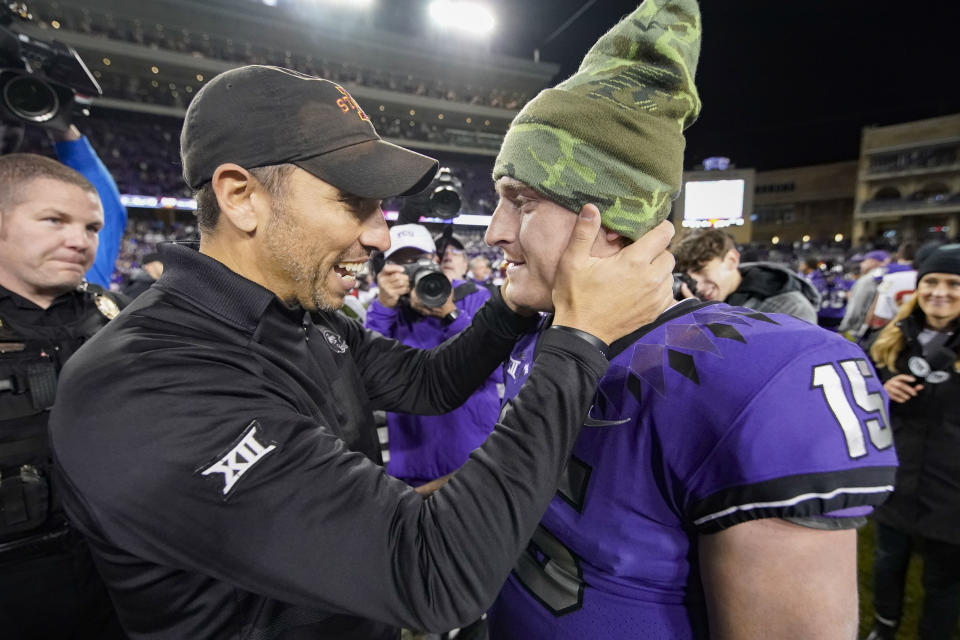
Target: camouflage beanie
612,134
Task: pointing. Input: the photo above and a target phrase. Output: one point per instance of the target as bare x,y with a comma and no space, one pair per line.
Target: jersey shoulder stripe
796,496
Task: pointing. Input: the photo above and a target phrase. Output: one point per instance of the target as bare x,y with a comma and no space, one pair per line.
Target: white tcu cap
410,235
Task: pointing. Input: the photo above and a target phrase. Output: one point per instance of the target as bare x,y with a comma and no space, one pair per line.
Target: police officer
49,219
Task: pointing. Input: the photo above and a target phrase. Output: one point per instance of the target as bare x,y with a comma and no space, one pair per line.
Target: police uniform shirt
48,584
34,344
20,317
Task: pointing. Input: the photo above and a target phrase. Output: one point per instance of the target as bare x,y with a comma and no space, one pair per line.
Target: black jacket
49,587
771,288
34,345
139,282
219,451
926,430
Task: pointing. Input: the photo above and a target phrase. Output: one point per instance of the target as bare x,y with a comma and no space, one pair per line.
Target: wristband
596,342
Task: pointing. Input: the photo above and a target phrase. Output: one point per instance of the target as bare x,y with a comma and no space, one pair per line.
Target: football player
729,454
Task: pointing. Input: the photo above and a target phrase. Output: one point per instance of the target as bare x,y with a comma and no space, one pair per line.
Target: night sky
783,83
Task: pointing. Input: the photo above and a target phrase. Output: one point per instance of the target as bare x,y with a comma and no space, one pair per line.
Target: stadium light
351,4
469,17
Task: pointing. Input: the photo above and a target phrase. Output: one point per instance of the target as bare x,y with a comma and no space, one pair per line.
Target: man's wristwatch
450,317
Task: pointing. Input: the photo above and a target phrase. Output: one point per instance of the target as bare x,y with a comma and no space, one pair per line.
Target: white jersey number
827,378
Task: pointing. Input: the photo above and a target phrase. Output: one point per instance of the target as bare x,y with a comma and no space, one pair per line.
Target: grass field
914,592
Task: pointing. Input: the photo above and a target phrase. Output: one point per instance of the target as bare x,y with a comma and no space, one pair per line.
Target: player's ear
732,259
607,243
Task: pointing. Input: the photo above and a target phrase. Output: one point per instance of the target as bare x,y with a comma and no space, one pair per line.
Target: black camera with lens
39,79
683,279
443,198
445,195
432,286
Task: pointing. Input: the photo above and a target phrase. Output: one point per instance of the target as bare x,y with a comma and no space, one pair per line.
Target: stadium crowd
142,153
200,44
152,142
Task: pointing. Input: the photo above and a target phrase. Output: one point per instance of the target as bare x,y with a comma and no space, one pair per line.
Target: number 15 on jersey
826,377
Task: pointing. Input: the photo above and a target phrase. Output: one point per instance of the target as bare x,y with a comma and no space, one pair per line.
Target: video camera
443,198
39,80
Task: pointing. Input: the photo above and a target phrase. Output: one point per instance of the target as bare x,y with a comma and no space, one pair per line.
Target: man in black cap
217,443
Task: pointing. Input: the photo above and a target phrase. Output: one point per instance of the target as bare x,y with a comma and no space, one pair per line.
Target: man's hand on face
611,297
392,283
436,312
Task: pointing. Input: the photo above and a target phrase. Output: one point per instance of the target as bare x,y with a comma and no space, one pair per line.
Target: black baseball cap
258,115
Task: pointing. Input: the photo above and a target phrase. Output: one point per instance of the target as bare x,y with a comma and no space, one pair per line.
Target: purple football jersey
711,416
818,280
833,300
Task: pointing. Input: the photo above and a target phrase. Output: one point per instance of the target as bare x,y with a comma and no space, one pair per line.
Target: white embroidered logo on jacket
240,459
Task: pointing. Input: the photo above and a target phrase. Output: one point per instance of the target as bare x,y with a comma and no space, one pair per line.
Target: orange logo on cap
346,103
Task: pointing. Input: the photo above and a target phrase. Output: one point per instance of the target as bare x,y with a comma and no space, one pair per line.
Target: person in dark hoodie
710,257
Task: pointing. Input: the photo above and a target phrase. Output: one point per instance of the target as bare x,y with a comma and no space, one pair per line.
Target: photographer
710,257
423,448
50,216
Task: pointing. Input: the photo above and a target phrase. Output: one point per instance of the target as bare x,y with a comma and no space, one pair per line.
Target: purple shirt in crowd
423,448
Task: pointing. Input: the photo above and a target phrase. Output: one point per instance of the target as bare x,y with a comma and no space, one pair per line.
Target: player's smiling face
938,295
718,277
533,233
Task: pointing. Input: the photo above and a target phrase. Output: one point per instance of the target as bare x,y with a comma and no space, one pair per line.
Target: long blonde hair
888,345
891,341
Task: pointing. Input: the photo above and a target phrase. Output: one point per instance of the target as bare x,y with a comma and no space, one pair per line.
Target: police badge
106,306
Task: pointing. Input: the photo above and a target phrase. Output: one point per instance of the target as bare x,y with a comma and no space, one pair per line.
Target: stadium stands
98,22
